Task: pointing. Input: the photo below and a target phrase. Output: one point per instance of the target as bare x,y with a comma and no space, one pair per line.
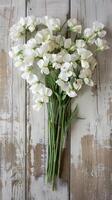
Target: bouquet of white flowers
57,61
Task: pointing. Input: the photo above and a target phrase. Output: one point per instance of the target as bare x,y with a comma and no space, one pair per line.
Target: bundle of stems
59,121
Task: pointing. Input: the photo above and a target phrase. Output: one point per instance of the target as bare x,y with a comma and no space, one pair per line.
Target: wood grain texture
12,172
37,149
23,132
91,147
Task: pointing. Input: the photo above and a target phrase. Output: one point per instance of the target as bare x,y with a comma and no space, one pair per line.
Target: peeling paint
38,152
3,80
64,170
93,172
10,153
109,111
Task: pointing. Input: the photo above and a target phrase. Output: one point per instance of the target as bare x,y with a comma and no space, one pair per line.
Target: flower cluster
47,52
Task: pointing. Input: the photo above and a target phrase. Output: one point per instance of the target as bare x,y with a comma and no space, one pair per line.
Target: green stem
51,140
56,150
59,119
61,141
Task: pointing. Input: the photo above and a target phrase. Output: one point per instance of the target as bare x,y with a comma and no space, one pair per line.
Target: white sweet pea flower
66,71
97,26
67,57
88,32
25,75
28,61
84,73
67,43
32,43
48,91
89,82
59,39
92,61
71,93
101,44
53,24
66,66
84,53
74,57
84,64
31,23
28,52
90,35
72,22
41,92
42,50
22,21
53,58
43,65
80,43
52,45
30,77
31,28
35,88
77,84
63,56
45,93
73,25
29,55
43,36
17,32
57,65
64,76
65,86
23,68
62,84
18,63
42,98
102,34
15,50
77,29
59,57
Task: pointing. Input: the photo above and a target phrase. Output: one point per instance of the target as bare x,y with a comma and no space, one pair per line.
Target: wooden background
87,162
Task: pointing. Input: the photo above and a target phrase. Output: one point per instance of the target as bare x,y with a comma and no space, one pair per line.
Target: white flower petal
77,84
84,64
89,82
101,44
67,43
97,26
72,22
80,43
84,53
71,93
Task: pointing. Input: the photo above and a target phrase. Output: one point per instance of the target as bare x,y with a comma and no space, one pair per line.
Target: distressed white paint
12,171
97,112
90,178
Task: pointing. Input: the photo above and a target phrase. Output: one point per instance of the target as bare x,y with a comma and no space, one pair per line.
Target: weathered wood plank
91,161
11,110
37,188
